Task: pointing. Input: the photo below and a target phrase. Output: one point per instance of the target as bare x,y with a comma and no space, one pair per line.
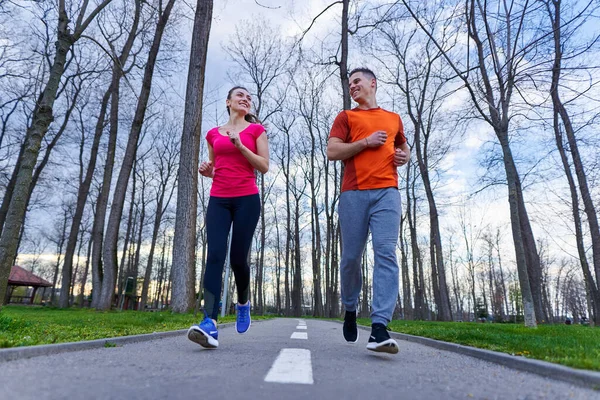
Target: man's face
361,87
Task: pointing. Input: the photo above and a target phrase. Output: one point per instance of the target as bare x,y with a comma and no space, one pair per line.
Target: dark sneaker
381,341
350,329
205,334
242,318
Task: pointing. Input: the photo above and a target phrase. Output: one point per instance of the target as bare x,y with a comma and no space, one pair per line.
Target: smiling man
371,143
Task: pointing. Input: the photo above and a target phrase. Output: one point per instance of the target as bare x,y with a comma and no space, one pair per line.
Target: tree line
95,136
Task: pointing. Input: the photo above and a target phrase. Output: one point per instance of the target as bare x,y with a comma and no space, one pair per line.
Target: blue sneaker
242,318
205,334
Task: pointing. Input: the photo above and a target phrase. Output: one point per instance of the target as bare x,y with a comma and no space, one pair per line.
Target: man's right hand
206,169
376,139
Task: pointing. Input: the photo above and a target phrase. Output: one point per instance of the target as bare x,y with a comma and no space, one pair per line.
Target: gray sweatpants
378,210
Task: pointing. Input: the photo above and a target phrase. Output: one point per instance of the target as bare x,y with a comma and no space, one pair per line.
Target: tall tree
42,117
167,157
415,68
184,248
109,253
119,62
263,62
562,122
500,46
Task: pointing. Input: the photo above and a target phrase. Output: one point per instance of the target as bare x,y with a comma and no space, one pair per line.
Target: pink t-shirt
233,173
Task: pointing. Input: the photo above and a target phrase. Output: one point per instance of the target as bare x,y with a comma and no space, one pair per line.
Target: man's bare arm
337,149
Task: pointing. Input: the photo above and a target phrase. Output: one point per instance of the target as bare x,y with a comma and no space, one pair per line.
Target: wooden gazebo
21,277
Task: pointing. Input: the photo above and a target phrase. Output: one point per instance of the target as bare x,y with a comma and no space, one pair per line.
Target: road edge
546,369
17,353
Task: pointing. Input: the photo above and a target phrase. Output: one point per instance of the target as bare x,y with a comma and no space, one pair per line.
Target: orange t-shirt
372,168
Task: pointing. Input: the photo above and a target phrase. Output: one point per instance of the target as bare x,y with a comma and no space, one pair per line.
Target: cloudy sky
462,165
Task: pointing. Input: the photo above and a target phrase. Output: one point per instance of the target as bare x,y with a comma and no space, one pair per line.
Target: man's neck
368,104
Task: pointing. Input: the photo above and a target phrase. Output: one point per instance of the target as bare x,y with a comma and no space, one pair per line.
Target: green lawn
26,326
574,346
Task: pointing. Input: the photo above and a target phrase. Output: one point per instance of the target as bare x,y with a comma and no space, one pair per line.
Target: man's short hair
365,71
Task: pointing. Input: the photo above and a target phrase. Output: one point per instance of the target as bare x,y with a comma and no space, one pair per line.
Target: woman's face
240,101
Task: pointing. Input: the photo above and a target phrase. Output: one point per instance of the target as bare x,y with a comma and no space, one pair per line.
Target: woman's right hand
206,169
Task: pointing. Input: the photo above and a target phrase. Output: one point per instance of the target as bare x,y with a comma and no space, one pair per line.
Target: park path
276,359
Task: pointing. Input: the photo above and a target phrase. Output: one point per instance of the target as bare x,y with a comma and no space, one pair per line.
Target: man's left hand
400,158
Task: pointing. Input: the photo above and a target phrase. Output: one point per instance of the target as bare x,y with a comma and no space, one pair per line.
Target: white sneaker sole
197,335
387,346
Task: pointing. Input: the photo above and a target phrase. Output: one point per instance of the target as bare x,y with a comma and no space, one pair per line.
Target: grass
27,326
574,346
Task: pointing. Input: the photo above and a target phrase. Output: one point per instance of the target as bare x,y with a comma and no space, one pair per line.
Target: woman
235,151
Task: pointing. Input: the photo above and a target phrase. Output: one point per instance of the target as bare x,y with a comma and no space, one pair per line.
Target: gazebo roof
21,277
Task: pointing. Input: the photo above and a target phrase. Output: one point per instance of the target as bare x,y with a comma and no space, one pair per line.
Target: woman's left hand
235,139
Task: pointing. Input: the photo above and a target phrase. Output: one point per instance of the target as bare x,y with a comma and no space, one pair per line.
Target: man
371,143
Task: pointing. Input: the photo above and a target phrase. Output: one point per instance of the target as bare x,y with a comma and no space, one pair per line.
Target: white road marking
291,366
299,335
301,322
301,327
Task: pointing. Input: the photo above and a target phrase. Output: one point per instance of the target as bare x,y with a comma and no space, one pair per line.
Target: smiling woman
235,150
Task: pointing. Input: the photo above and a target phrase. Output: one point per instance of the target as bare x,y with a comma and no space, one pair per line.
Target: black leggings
243,212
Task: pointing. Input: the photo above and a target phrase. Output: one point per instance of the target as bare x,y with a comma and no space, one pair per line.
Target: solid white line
301,327
299,335
291,366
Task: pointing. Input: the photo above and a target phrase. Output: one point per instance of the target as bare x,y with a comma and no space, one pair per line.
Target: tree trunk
343,63
406,290
157,222
162,272
84,186
184,249
10,187
278,257
114,220
82,193
136,263
59,250
512,179
419,310
41,120
561,111
260,266
85,273
288,224
73,280
126,242
297,282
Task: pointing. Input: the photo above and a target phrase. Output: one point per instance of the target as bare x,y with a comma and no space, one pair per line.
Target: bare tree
501,48
184,249
58,237
41,120
167,152
283,152
310,91
114,220
414,67
118,71
562,121
262,56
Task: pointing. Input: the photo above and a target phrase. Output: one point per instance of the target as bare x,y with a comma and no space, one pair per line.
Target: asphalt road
276,359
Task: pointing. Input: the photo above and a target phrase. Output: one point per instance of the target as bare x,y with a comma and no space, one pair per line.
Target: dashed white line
291,366
299,335
301,327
